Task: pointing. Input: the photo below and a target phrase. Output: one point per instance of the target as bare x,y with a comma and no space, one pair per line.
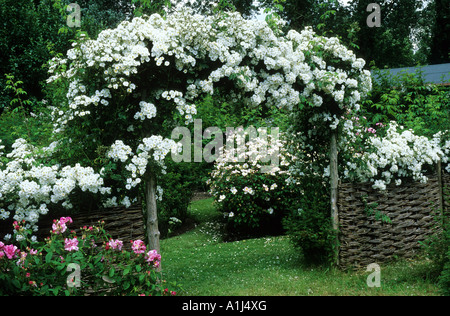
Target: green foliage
28,36
443,250
98,15
422,37
150,6
24,117
371,210
309,225
254,200
209,266
408,100
437,249
439,48
177,185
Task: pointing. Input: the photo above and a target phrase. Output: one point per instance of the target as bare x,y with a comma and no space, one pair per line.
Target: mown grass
205,265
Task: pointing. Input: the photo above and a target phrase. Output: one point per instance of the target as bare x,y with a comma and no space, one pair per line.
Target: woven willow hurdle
406,215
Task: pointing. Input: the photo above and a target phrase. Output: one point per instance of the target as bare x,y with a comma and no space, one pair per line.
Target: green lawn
207,266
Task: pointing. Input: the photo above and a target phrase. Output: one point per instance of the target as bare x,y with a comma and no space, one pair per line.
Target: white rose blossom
189,38
29,189
400,154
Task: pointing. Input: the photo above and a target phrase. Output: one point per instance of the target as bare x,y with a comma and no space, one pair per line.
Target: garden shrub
28,267
394,155
408,100
252,200
444,278
309,225
177,188
437,248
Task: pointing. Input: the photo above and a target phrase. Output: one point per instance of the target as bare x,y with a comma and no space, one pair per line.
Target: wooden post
152,213
150,199
334,181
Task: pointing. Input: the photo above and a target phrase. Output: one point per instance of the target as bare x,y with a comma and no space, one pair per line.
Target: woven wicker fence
378,226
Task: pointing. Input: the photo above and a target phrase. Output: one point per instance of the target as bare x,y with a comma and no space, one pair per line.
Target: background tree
28,36
326,17
389,45
440,45
411,31
97,15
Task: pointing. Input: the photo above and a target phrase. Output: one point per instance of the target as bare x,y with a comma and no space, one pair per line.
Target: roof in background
438,74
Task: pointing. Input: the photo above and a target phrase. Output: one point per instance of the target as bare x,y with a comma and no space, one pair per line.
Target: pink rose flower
71,244
138,246
66,220
59,226
115,244
153,257
11,251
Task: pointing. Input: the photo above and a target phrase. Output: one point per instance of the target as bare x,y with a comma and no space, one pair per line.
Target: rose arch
132,84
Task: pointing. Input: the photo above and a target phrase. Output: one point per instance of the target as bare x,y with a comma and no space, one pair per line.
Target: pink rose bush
105,267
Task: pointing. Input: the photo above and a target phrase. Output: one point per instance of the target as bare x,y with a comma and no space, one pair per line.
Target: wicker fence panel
446,185
366,239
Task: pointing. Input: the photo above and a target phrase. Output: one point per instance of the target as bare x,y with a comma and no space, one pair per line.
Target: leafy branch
371,210
14,86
